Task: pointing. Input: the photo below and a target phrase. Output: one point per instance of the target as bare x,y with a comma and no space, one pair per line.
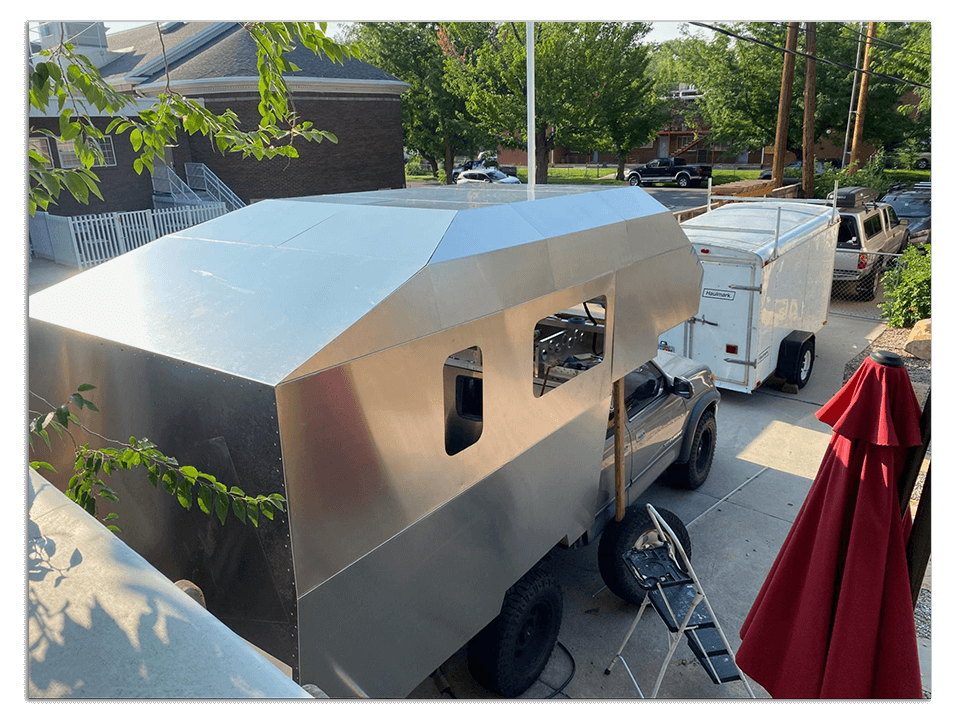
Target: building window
567,344
463,399
69,159
41,145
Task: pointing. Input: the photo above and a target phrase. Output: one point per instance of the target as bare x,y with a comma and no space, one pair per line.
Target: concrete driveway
769,449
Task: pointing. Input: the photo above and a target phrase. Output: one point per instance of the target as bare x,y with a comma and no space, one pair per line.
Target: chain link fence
858,282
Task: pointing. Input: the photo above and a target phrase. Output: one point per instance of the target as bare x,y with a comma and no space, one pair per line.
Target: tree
68,81
625,109
486,65
740,80
436,123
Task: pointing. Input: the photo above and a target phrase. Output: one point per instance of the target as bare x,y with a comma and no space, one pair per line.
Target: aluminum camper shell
304,347
767,277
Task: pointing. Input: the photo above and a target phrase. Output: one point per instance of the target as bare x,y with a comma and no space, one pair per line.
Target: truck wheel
508,655
693,473
868,285
633,180
635,530
683,180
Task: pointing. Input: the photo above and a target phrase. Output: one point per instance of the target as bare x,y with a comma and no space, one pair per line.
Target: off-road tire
635,530
693,473
508,655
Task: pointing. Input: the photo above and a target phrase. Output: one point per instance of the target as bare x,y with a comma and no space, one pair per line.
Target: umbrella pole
919,544
918,547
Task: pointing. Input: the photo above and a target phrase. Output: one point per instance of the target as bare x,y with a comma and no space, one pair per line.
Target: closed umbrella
834,618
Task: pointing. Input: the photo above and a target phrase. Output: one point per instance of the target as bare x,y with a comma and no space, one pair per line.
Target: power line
805,55
876,40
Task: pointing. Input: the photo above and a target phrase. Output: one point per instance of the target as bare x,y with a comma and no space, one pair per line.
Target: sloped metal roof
283,288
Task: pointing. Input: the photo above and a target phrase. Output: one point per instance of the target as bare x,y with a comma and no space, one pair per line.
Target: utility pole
809,108
857,148
853,94
783,113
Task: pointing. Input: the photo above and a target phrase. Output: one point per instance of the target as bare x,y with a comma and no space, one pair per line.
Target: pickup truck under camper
426,376
767,278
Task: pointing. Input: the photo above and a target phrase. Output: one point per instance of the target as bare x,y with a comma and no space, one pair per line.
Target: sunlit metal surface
301,345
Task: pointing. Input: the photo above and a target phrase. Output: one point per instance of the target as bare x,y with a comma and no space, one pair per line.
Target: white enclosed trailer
767,275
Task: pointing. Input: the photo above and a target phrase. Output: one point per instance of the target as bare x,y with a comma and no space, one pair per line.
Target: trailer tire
508,655
635,530
804,365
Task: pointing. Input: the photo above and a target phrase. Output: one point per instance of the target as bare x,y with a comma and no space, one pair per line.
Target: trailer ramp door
720,334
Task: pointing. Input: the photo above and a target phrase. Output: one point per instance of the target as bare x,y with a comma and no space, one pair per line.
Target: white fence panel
98,238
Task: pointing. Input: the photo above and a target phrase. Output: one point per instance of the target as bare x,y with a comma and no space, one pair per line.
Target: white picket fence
87,240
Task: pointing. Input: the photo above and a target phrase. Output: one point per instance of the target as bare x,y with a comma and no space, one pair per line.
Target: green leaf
205,499
185,494
239,510
85,387
40,465
253,513
221,505
189,471
113,528
111,516
169,482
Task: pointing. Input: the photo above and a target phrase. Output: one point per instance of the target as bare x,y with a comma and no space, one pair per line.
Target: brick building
215,62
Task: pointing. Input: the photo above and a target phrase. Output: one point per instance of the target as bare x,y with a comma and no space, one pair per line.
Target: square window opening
463,399
567,344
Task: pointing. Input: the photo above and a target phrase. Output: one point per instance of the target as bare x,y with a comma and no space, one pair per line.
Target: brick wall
367,156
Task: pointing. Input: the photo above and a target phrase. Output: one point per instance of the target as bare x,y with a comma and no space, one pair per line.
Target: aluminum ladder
672,588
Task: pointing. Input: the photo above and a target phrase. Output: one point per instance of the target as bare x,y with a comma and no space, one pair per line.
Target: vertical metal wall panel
221,424
304,354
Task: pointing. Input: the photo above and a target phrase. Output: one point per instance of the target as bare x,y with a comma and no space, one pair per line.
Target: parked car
671,432
468,165
913,205
486,175
767,173
869,227
672,170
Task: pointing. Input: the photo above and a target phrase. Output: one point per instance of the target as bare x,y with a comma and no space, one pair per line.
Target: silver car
485,175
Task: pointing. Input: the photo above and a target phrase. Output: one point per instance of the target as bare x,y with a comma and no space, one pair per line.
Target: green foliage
87,486
907,288
68,81
872,175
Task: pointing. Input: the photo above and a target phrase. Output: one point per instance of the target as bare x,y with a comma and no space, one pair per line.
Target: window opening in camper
567,344
463,399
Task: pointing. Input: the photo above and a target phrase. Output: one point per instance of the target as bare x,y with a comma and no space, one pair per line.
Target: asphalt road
676,199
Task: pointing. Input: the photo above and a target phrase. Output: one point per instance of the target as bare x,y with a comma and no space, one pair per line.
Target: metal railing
202,179
167,183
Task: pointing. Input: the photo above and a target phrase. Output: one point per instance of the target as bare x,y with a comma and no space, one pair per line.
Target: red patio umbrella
834,618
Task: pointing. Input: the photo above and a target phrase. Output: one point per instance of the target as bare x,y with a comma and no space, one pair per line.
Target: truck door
654,423
720,333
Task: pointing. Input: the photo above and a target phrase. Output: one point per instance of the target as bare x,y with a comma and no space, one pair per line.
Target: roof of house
212,50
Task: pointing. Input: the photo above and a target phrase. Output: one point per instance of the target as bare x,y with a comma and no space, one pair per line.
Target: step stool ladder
675,592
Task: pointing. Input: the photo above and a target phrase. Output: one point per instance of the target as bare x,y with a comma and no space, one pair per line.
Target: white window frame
68,158
42,145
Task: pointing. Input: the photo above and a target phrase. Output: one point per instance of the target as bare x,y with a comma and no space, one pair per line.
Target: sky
661,30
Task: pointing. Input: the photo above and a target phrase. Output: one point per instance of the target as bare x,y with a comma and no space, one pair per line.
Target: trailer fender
790,359
708,401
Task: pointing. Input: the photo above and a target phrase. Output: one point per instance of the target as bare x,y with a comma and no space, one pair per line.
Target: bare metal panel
336,328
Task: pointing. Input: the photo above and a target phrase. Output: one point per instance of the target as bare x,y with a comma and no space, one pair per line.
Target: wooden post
783,113
620,486
862,101
809,108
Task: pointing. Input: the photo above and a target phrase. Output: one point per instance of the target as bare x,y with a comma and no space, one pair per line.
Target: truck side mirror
683,388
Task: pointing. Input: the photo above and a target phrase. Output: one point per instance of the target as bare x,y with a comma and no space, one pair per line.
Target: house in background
215,62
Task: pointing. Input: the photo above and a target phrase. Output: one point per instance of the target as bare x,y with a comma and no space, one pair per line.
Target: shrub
908,288
870,175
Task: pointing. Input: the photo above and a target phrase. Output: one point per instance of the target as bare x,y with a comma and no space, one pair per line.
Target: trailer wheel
635,530
804,365
508,655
